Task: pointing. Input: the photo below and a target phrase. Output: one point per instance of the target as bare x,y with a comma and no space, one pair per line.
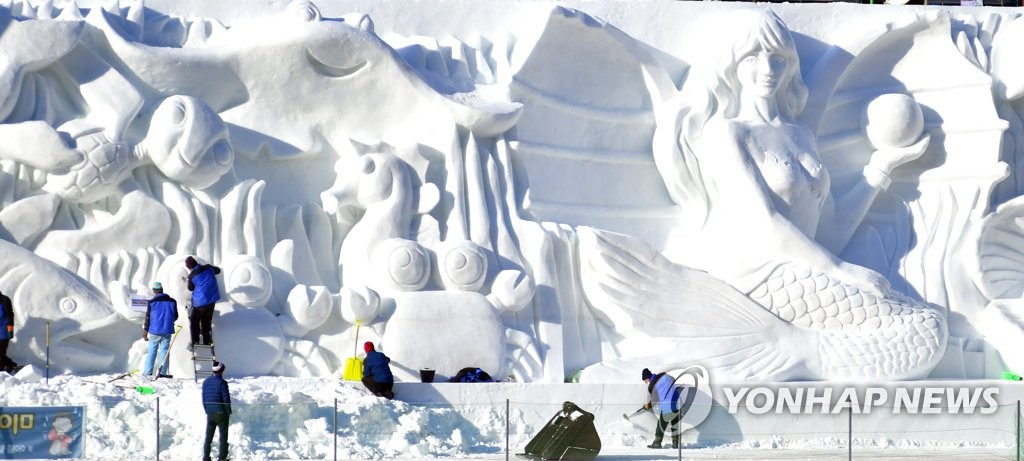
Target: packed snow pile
293,418
272,418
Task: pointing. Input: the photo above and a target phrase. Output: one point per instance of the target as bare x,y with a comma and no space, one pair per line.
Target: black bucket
427,375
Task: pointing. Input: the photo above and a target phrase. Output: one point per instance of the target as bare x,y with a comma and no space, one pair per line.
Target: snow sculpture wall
764,193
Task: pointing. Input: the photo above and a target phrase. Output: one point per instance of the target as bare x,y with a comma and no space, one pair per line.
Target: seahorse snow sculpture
422,327
384,186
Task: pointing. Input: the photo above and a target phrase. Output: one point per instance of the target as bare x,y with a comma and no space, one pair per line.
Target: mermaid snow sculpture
759,219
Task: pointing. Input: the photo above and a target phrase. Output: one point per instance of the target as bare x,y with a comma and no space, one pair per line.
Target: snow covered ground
292,418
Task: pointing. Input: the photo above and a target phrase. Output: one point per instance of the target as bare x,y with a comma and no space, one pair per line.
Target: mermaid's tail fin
680,316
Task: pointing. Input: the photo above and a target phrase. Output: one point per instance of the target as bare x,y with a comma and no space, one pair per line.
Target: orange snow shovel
354,365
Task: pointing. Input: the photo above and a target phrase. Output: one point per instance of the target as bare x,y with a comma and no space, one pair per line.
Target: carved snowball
359,305
173,274
404,264
892,120
247,280
463,266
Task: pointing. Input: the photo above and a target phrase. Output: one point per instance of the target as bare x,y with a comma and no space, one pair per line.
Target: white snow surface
272,418
292,418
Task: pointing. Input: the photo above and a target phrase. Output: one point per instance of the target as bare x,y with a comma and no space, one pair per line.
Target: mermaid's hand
863,278
887,160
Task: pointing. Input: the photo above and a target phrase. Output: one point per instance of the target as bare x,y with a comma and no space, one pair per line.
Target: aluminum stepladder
202,360
203,357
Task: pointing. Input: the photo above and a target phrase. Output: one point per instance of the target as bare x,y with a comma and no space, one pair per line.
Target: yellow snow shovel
354,365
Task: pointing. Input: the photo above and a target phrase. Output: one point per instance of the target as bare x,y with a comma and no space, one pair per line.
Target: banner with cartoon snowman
41,432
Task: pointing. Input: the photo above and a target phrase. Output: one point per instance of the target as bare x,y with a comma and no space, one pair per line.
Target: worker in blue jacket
666,403
6,333
161,313
202,282
217,404
377,375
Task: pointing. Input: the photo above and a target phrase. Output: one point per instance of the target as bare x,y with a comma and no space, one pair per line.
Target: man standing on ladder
202,282
161,313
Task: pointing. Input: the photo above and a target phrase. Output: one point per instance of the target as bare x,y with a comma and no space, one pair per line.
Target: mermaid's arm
842,217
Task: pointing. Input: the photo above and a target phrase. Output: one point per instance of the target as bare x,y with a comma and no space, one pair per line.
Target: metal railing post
158,429
506,429
1017,431
335,429
849,433
47,353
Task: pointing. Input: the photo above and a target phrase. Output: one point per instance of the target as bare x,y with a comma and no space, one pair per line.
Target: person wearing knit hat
217,403
157,330
377,375
665,402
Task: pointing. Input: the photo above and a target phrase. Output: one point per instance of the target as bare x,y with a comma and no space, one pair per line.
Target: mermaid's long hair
756,28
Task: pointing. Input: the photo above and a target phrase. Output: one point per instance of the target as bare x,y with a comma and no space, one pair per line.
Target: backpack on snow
471,375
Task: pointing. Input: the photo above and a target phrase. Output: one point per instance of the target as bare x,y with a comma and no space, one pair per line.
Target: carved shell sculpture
1001,252
1000,277
104,165
401,265
463,266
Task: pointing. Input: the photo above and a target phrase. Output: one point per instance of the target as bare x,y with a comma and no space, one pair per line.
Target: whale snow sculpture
342,60
795,325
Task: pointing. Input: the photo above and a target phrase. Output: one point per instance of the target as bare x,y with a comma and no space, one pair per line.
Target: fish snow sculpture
45,294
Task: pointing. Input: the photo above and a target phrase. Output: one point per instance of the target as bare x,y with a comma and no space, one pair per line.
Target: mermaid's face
762,71
188,142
